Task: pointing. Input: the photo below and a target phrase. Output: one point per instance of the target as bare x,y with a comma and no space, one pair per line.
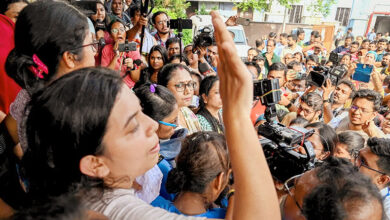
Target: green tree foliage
175,9
322,7
263,4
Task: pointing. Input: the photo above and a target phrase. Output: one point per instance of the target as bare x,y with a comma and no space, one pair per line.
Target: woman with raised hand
255,196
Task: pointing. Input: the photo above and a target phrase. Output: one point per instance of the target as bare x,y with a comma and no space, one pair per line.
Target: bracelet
230,193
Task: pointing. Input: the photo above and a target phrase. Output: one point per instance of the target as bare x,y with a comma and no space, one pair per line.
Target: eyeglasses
162,22
168,124
289,184
116,30
95,46
359,162
182,86
355,108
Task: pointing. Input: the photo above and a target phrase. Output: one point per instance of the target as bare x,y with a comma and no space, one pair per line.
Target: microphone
205,69
136,64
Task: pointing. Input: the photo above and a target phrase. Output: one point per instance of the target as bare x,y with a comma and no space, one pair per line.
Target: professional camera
204,39
100,25
127,47
180,24
320,74
335,58
281,143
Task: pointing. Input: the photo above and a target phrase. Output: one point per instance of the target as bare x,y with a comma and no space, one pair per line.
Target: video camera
335,58
320,74
281,143
203,39
127,47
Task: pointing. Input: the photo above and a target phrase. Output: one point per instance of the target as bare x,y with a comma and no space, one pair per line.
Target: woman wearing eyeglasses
177,78
40,57
121,61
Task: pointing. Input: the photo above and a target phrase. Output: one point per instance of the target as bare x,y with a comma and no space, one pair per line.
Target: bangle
289,105
230,193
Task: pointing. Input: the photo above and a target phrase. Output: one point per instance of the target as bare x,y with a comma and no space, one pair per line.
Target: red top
8,88
108,54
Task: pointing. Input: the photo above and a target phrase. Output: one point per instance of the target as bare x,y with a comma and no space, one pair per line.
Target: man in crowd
374,162
372,46
353,51
118,13
292,46
335,99
252,53
364,108
173,46
310,107
312,36
269,56
260,45
160,21
345,47
282,44
301,37
380,50
385,64
371,35
349,33
311,61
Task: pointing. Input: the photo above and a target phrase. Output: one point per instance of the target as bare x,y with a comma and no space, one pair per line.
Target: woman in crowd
346,60
12,8
349,143
101,22
364,48
121,61
177,78
324,139
40,57
210,105
158,57
201,174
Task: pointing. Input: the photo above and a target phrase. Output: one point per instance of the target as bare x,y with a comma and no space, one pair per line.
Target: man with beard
310,107
345,47
385,64
364,108
292,46
118,12
353,51
334,110
160,21
380,50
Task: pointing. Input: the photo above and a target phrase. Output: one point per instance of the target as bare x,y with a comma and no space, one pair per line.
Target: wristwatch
289,105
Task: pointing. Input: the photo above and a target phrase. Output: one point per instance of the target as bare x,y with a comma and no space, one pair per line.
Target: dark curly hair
203,156
381,148
370,95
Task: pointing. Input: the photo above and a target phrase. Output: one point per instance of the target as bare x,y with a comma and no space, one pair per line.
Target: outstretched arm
255,196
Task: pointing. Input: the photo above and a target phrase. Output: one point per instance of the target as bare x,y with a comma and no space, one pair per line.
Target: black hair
254,64
355,43
366,40
327,134
272,40
349,84
300,54
106,21
341,194
284,35
158,104
313,33
259,42
134,8
203,156
279,66
148,72
370,95
68,29
386,54
381,148
177,57
252,48
65,124
293,36
314,58
299,121
272,34
64,207
374,42
300,31
167,71
204,88
113,21
172,40
313,100
5,4
291,64
194,73
353,140
383,40
346,55
349,37
157,14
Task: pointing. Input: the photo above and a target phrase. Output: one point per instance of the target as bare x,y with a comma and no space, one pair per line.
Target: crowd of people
95,125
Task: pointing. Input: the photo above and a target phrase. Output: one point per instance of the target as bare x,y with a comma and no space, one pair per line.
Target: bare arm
255,196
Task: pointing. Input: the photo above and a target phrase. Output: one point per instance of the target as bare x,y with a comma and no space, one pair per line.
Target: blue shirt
169,206
340,49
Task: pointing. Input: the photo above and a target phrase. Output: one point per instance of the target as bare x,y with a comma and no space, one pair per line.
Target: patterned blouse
191,121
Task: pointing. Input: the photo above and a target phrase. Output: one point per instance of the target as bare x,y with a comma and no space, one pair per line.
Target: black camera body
281,141
335,58
127,47
100,25
320,74
180,24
